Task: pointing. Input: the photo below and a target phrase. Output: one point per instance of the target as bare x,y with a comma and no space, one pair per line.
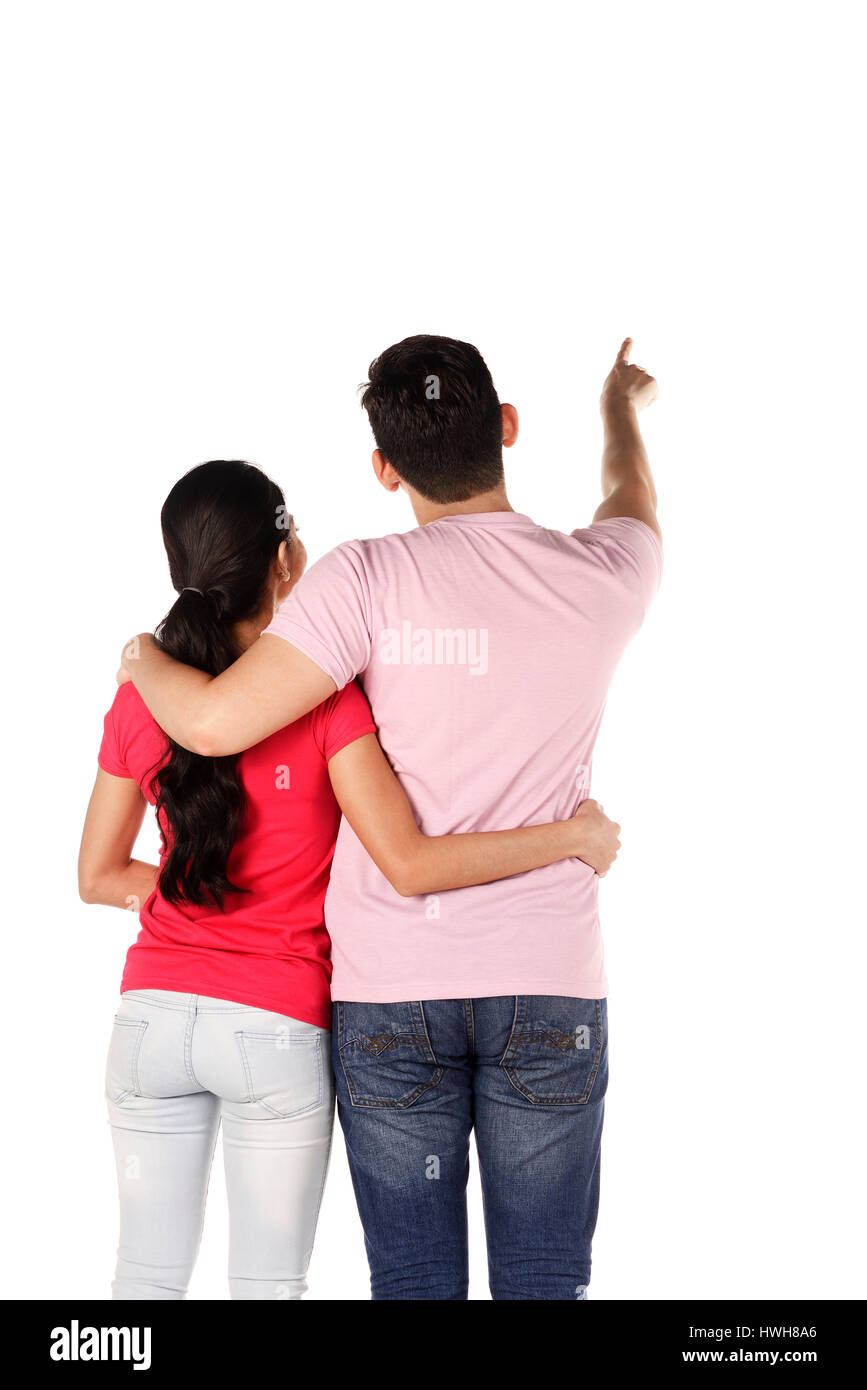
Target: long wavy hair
222,524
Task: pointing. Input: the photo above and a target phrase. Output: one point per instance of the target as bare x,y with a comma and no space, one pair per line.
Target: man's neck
426,512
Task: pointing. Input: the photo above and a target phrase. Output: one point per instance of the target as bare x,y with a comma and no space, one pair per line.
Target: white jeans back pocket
121,1073
284,1069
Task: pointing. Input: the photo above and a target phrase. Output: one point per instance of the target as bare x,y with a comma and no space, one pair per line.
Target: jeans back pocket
385,1053
284,1069
122,1072
557,1053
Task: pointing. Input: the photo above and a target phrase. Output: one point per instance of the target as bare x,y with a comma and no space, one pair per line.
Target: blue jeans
529,1074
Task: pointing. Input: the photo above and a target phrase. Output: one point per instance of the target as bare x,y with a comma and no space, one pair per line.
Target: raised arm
271,685
627,482
376,807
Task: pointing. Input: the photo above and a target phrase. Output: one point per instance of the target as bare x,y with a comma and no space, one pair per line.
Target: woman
225,1008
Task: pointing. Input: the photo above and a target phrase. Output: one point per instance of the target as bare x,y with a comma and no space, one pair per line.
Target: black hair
436,417
222,524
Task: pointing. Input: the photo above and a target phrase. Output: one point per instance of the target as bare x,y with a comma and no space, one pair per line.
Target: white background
215,216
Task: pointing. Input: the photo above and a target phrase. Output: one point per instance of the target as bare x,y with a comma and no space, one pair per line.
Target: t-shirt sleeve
630,551
132,744
342,719
111,753
328,615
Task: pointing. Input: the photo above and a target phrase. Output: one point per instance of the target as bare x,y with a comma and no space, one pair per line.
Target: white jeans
179,1064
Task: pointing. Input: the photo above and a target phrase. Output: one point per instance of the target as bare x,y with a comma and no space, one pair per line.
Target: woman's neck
245,633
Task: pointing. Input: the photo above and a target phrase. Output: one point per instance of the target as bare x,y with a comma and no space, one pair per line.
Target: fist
598,836
626,382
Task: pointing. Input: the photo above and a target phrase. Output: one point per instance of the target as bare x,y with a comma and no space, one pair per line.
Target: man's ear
510,425
384,472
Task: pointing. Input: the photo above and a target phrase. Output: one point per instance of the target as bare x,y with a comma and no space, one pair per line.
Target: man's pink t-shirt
485,645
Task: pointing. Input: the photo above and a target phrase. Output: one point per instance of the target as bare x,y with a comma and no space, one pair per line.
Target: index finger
623,354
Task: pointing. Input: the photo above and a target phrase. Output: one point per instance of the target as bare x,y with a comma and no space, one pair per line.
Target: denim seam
325,1168
141,997
515,1015
423,1021
188,1039
470,1022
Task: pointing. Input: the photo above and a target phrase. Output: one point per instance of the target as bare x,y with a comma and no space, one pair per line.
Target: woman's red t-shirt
268,947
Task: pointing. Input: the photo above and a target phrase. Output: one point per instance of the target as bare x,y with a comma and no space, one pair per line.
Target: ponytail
220,530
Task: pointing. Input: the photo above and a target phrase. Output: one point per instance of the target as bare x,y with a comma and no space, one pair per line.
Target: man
485,645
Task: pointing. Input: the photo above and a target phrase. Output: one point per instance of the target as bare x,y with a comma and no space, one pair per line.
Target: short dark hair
436,417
